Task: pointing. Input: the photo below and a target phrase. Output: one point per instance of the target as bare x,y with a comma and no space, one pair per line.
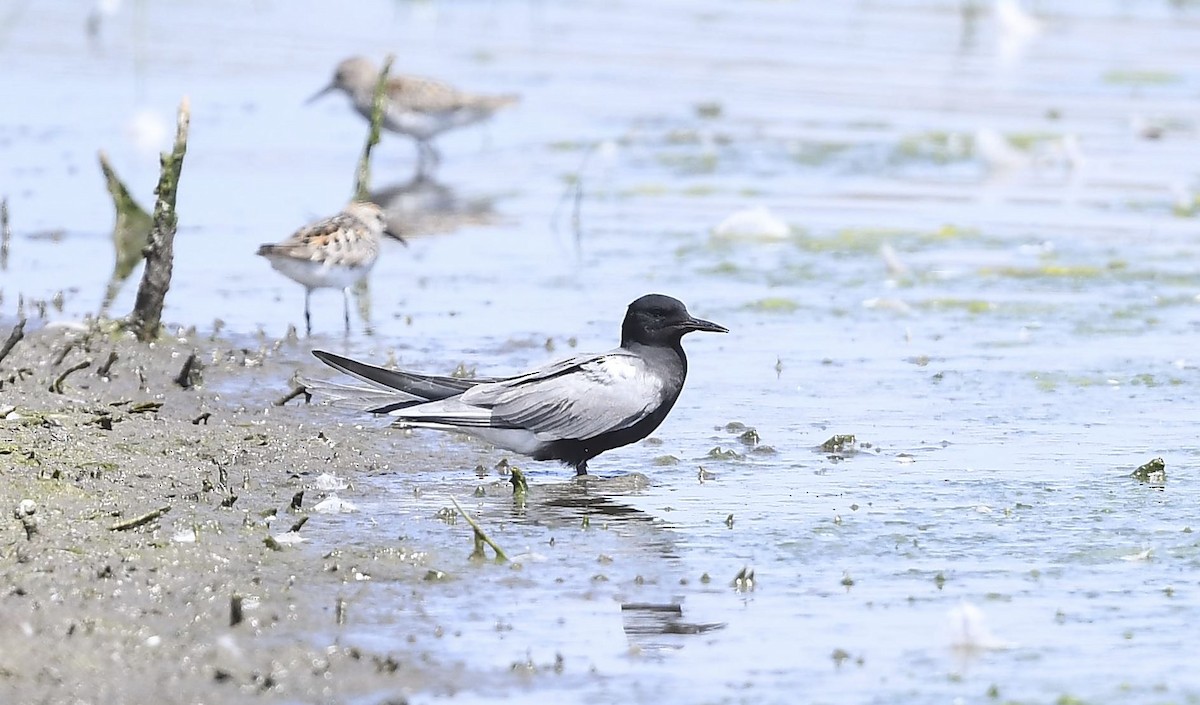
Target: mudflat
153,543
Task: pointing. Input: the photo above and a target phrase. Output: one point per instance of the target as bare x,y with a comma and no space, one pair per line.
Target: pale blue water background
1041,344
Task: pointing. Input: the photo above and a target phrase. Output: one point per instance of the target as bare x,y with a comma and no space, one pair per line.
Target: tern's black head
655,319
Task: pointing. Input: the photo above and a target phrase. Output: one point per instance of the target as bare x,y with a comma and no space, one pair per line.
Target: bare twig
57,385
156,278
140,521
106,366
18,332
479,533
235,610
296,391
362,181
62,353
189,374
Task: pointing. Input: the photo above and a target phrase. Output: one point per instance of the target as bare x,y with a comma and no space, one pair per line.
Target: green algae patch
972,306
773,304
868,240
700,191
651,190
817,153
1153,472
939,147
1129,77
1049,271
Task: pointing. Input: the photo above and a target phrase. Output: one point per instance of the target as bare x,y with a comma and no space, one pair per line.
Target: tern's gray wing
387,383
579,398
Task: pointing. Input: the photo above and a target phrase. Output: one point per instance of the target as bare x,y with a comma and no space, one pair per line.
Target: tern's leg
307,315
581,469
346,308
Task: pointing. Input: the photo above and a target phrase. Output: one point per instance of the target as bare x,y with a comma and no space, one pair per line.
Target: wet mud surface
143,519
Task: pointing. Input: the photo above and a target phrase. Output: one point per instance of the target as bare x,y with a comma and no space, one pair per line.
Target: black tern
570,411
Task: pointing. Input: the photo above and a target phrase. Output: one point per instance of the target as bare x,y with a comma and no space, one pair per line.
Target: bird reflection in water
425,206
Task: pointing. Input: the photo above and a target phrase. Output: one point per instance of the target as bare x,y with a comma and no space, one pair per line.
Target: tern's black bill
699,324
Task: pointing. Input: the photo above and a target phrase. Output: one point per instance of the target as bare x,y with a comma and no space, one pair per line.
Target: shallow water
1007,336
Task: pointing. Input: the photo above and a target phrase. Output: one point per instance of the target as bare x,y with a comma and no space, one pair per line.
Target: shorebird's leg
420,158
307,315
581,469
346,308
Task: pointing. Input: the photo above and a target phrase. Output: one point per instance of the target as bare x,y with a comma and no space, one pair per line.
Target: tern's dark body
569,411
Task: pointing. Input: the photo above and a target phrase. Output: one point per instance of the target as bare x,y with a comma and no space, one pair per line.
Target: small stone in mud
1153,472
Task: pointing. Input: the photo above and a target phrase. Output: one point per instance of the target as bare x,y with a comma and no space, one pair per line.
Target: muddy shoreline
149,549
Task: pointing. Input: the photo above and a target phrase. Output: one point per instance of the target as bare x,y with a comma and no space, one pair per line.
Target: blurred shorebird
333,253
418,107
570,411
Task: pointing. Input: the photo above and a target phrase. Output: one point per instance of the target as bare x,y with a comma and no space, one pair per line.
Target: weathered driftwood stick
480,535
18,332
156,278
139,521
362,181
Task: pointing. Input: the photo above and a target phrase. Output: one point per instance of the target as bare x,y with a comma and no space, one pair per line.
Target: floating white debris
997,152
334,505
289,538
147,130
185,536
1016,28
969,630
327,482
905,459
881,304
895,266
757,223
1139,556
1015,21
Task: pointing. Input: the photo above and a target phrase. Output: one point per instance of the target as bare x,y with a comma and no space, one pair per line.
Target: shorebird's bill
316,96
